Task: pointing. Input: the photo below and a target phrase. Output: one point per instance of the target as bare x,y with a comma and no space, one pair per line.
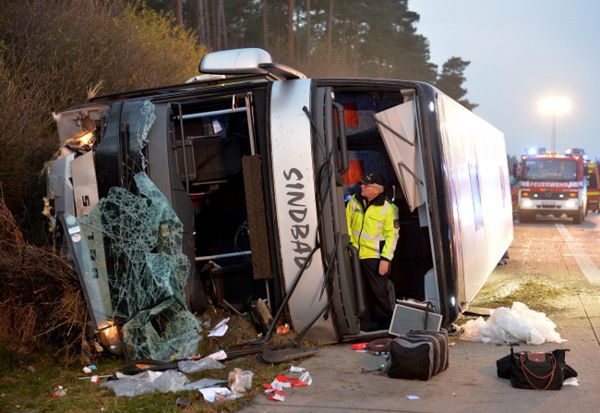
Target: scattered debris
59,391
519,323
204,383
218,355
147,382
213,394
240,380
275,389
194,366
182,403
102,376
362,347
89,369
295,369
571,381
283,329
220,329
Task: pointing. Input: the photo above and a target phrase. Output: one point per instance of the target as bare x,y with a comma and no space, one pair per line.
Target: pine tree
452,78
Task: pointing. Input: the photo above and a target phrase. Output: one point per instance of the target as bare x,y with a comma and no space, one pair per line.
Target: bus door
343,282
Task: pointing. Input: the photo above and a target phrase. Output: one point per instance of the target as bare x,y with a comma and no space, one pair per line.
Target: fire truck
593,192
552,184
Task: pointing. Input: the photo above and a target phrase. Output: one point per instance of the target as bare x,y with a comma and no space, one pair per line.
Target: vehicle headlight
571,203
527,203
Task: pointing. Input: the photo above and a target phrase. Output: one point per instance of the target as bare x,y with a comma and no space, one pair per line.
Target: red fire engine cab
552,184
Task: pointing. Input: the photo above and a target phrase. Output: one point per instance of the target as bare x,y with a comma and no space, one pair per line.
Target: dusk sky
521,51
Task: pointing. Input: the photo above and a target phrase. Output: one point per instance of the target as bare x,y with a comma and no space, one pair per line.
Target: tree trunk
290,48
200,27
308,29
179,12
265,22
207,26
329,28
215,29
222,24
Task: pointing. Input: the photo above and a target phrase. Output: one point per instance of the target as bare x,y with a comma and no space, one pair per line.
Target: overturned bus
247,170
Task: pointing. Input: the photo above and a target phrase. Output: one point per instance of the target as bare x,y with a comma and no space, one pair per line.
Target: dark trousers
379,292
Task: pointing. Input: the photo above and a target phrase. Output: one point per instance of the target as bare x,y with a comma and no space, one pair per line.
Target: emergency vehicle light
572,194
525,194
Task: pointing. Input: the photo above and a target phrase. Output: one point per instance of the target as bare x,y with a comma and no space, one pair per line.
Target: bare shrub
40,295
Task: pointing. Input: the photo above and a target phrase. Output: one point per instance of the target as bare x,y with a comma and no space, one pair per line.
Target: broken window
146,270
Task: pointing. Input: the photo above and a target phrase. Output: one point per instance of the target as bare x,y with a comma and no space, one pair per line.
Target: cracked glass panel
164,332
142,126
146,270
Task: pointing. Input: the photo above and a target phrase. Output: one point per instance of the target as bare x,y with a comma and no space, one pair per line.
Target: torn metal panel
87,252
59,185
85,186
72,123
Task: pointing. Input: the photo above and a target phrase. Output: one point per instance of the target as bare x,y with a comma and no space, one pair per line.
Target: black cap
373,179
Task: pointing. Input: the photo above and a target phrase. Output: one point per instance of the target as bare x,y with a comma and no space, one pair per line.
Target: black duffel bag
418,355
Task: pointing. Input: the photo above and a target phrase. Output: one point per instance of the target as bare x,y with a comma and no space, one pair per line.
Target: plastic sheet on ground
203,383
519,323
194,366
147,382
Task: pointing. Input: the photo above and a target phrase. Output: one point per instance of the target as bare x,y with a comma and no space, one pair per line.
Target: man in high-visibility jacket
373,226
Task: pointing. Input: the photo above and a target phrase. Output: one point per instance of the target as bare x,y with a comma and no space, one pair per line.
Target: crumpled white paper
220,329
519,323
212,394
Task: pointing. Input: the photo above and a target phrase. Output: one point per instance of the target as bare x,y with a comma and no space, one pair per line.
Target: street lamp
554,106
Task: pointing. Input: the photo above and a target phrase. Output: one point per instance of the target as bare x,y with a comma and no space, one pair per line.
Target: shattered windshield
550,169
146,270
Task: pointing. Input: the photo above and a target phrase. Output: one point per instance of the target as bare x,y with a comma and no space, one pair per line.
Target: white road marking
587,267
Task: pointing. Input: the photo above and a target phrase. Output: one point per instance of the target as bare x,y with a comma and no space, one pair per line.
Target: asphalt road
554,267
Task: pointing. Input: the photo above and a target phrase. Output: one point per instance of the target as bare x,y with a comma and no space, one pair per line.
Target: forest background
54,54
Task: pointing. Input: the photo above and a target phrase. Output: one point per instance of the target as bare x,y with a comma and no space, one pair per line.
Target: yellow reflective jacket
373,227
